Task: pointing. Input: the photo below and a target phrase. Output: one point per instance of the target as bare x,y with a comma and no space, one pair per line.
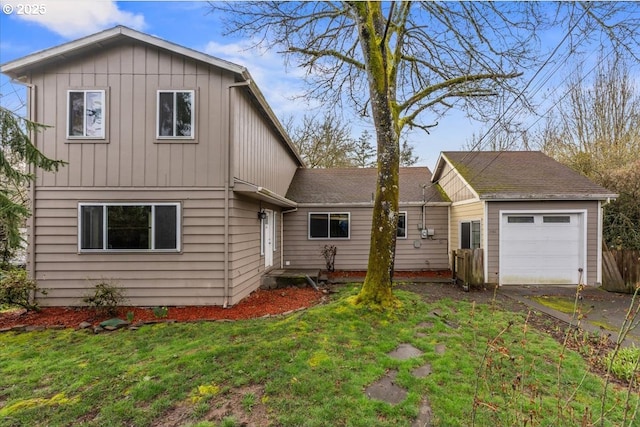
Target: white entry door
541,248
267,238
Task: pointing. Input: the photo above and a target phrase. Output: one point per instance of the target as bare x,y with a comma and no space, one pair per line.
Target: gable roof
19,68
358,185
519,175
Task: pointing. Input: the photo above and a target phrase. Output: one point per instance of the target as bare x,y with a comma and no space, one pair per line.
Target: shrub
17,289
329,254
624,366
106,298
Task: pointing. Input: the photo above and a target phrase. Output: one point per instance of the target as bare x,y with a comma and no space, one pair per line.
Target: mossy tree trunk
372,27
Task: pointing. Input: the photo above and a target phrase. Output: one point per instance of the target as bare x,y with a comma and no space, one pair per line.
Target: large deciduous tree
17,156
405,64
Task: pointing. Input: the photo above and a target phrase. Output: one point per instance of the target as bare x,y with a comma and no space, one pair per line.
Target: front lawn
310,368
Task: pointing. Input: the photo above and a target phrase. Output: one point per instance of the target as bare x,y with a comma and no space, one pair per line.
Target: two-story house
177,170
183,188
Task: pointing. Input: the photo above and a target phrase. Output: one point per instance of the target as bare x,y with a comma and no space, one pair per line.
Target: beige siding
494,209
454,186
246,264
131,155
462,212
259,156
352,254
194,276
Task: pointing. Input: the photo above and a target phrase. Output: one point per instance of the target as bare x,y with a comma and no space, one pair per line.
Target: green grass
306,369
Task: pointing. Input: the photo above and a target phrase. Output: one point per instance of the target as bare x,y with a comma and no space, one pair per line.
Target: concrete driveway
603,312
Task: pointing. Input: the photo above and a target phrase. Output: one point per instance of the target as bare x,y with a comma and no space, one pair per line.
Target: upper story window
329,225
176,114
85,112
129,227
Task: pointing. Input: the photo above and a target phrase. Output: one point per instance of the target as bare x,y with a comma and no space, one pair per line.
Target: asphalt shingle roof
357,185
522,174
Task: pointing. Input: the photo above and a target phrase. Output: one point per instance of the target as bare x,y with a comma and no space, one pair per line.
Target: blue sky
190,24
187,23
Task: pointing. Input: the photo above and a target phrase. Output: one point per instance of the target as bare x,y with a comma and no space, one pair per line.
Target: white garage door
541,248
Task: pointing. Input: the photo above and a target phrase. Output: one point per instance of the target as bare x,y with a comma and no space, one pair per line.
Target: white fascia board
14,68
464,181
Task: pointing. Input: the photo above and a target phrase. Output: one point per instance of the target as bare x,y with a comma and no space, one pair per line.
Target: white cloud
74,18
281,86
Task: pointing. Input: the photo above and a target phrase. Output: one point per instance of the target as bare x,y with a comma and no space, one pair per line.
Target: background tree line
326,141
594,128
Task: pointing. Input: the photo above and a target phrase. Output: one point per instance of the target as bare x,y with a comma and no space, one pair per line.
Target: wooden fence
468,267
620,270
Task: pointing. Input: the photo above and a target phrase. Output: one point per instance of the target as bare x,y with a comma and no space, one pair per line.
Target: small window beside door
470,235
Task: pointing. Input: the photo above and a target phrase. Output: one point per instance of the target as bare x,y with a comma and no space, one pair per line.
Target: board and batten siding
192,277
493,238
260,155
352,254
455,188
131,155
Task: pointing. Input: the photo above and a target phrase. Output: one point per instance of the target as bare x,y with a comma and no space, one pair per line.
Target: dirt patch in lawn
259,304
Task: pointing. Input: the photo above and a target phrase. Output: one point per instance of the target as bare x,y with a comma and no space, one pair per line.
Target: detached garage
539,221
542,247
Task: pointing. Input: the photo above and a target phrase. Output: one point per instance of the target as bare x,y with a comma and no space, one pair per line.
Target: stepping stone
386,390
422,371
424,414
425,325
405,351
440,348
421,335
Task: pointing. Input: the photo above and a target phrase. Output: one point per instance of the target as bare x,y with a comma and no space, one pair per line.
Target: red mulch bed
397,275
258,304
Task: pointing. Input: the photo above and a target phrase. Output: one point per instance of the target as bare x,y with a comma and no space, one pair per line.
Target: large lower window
329,225
85,112
470,235
127,226
175,114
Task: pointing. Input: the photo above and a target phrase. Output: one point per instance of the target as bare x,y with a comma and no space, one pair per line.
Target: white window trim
193,114
328,225
104,115
470,222
104,227
406,225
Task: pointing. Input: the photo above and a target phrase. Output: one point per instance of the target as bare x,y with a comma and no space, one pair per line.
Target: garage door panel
538,248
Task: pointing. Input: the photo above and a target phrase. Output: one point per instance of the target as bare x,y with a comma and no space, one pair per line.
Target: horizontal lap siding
591,207
465,212
191,277
353,254
454,186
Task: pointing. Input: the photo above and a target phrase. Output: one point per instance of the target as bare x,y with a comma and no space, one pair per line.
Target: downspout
282,235
228,179
31,266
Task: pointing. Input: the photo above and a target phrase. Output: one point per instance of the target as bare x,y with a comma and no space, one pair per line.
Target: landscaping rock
114,323
386,390
84,325
424,414
422,371
405,351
